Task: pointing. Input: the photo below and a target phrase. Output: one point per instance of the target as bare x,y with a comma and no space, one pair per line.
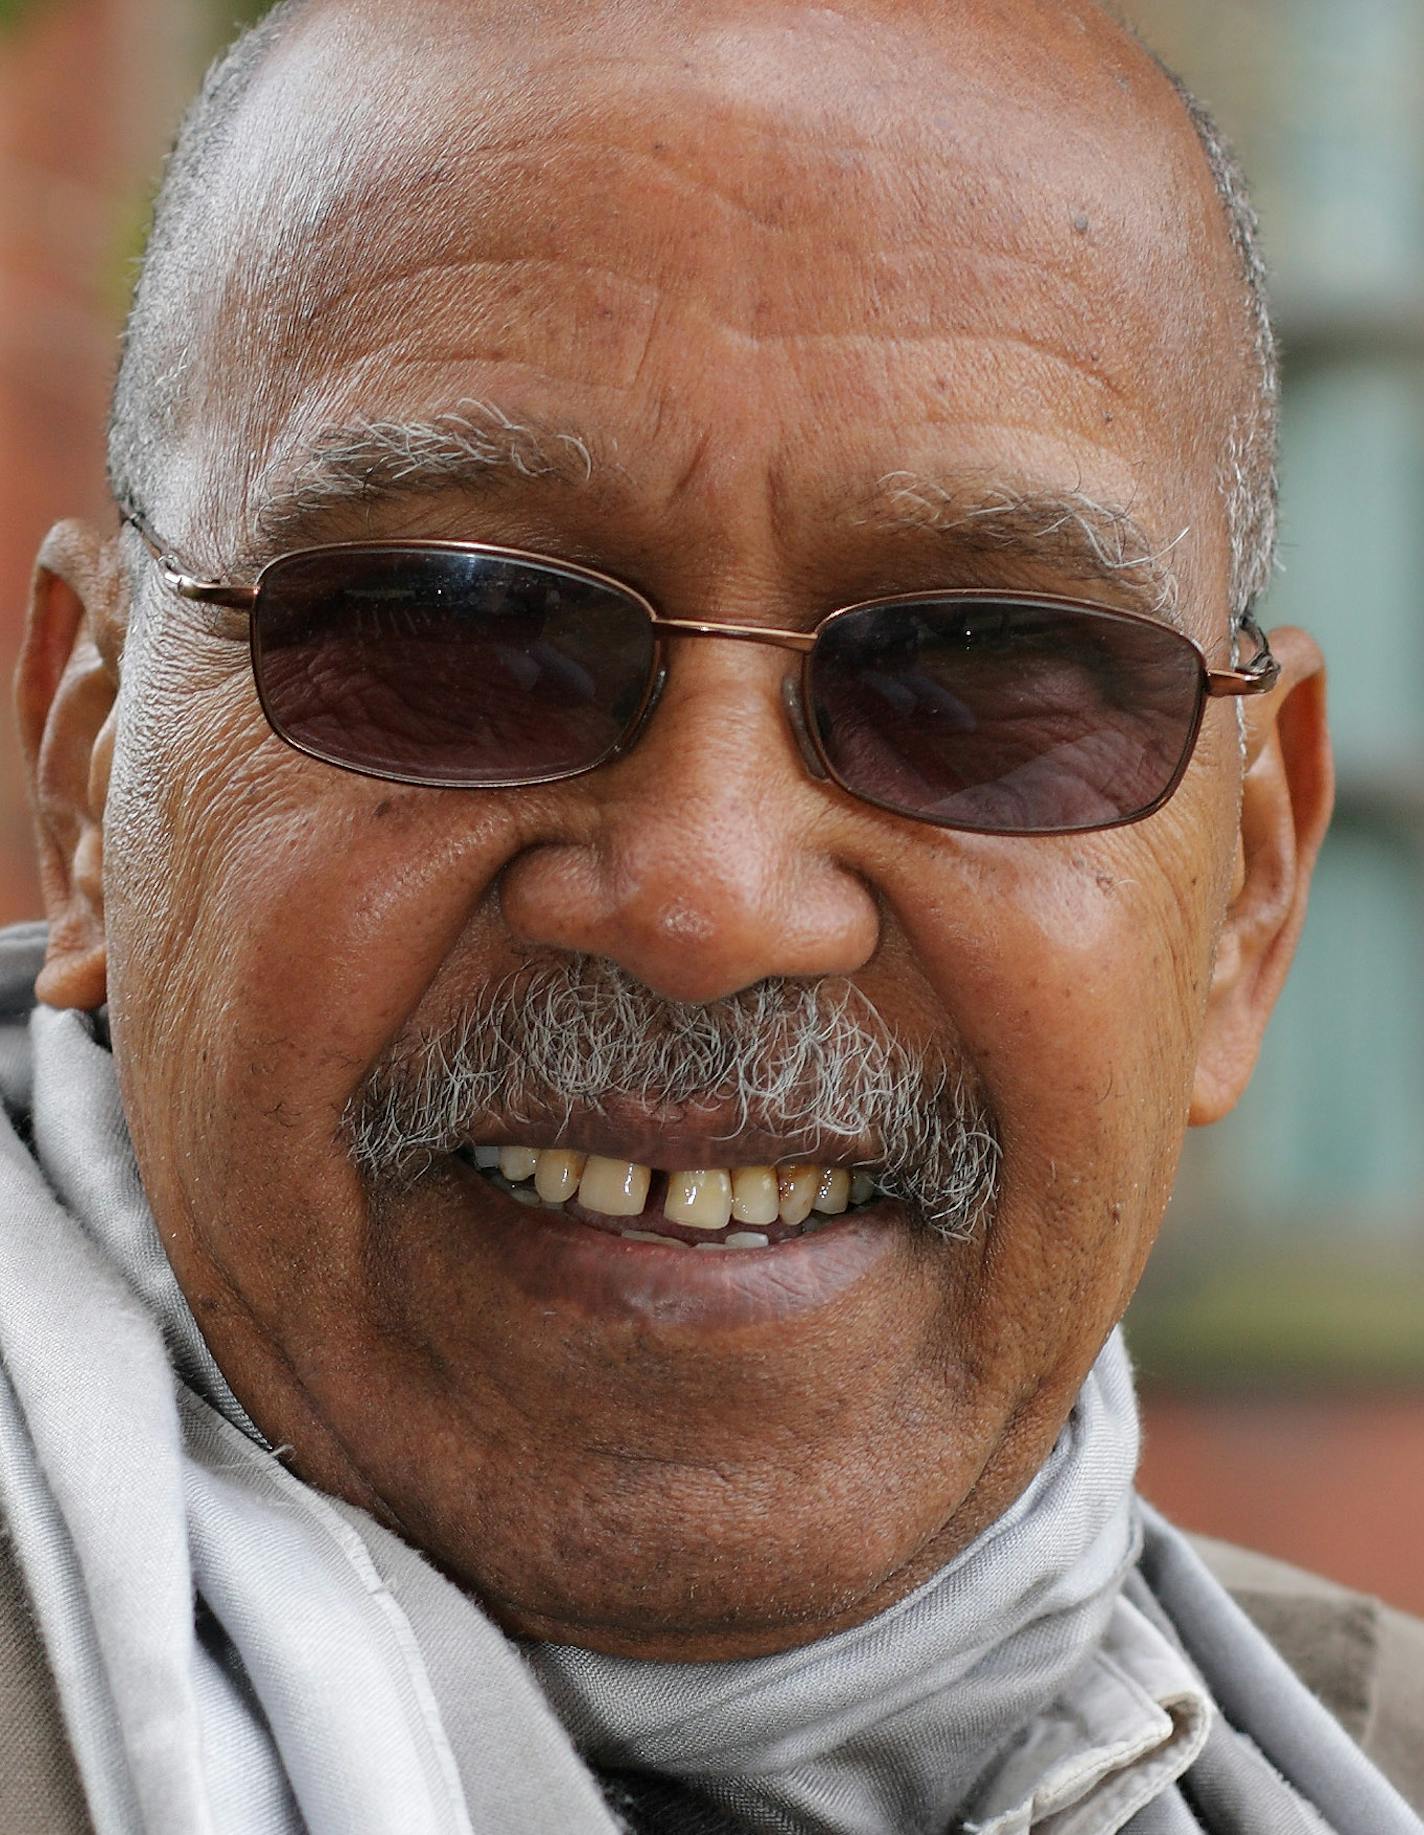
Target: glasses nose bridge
800,643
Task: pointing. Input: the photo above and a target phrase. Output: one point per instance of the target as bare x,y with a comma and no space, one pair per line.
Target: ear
1287,797
65,691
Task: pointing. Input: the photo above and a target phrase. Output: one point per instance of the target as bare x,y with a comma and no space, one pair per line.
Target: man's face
784,274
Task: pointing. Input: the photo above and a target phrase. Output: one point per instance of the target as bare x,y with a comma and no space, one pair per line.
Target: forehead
765,243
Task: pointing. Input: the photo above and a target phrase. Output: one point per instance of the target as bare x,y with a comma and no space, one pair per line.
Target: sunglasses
460,665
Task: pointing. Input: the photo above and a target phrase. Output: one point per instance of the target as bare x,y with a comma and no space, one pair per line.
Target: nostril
796,714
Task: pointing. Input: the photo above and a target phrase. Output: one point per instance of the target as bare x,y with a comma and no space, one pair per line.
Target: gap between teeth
798,1195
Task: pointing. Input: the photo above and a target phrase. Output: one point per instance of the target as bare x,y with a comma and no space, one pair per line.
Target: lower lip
555,1259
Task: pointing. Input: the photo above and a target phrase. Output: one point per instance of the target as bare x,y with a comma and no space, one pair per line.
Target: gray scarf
331,1680
888,1726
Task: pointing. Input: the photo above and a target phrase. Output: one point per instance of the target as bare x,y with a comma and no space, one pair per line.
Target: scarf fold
233,1654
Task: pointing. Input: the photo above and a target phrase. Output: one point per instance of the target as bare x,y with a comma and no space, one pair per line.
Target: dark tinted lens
446,667
1011,718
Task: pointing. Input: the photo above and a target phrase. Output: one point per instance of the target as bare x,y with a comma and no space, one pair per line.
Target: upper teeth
698,1198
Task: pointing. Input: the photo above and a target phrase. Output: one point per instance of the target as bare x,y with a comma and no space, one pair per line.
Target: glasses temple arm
188,586
1259,676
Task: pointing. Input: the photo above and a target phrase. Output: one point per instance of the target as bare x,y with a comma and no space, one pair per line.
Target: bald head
332,124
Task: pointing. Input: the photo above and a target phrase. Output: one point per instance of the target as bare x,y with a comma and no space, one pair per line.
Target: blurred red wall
1330,1482
89,94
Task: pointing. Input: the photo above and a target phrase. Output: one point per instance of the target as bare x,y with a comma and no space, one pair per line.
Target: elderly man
656,817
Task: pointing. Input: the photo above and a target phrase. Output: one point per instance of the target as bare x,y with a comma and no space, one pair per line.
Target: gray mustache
789,1058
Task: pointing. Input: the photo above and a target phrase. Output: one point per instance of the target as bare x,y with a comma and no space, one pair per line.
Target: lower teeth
739,1239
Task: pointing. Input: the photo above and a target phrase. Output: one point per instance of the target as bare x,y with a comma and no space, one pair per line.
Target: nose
708,858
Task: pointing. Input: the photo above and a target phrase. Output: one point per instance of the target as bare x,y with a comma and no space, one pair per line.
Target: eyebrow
1086,539
477,447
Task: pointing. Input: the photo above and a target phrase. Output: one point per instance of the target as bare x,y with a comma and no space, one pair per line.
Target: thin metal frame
1259,676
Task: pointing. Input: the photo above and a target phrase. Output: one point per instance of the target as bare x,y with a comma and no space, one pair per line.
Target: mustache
788,1058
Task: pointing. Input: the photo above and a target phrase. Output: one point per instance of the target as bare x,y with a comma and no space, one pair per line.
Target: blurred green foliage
233,15
1312,1316
228,16
13,11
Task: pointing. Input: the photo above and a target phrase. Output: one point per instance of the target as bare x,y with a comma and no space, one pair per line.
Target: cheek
272,923
1053,956
1075,972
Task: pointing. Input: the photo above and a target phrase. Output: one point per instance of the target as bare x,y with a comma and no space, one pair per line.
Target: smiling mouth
718,1208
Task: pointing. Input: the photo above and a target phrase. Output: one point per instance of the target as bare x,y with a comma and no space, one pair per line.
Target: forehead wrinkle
501,145
339,300
363,191
340,218
499,251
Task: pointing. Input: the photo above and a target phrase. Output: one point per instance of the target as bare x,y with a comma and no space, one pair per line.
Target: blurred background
1280,1331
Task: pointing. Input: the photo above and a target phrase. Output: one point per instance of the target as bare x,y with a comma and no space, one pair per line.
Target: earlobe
1287,797
65,696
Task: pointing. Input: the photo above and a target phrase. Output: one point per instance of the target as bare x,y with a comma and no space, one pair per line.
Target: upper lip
671,1139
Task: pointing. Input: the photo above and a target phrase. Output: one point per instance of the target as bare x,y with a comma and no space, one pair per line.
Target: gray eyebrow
476,444
1086,539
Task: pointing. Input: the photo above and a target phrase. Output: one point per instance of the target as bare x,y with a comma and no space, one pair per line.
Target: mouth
716,1209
